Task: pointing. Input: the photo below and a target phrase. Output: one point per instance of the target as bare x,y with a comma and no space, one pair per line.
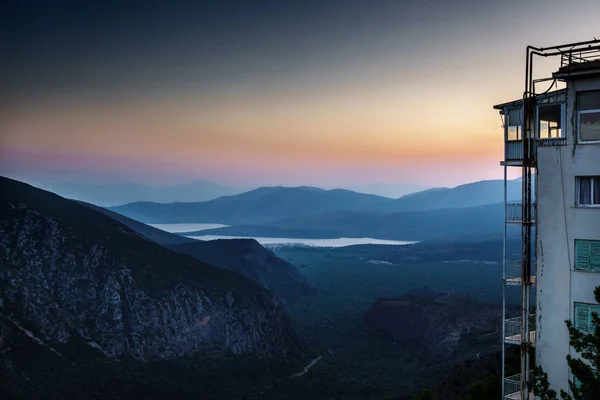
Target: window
587,255
583,316
513,123
588,116
587,191
549,121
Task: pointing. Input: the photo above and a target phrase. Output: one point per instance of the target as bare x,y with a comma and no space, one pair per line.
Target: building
553,137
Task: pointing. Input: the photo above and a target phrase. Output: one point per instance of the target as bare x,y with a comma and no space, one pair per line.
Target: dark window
588,190
588,115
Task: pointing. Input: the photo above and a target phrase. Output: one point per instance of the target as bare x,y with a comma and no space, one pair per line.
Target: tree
586,369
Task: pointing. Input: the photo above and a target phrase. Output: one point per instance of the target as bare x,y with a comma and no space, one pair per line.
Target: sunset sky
247,93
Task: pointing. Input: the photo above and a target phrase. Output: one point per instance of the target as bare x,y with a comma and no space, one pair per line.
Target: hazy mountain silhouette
257,206
468,195
267,205
121,193
391,190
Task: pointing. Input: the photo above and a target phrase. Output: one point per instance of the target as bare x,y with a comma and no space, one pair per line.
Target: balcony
512,330
512,388
514,213
512,273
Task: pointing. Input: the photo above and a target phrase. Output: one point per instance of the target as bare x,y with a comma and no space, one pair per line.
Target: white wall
559,224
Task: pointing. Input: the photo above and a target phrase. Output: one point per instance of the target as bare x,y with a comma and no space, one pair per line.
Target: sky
249,93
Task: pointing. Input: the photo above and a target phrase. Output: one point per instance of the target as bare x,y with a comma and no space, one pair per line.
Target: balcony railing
514,213
512,330
512,387
512,273
513,150
552,142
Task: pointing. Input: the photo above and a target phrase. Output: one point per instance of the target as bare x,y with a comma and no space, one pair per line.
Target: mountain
121,193
391,190
470,195
78,285
408,226
249,258
266,205
257,206
245,256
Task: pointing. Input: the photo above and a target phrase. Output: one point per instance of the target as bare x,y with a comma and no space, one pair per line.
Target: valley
319,338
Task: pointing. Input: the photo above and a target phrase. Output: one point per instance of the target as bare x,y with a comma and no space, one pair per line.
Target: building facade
554,137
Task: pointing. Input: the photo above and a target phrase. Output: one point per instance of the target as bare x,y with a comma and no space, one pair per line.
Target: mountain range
267,205
307,212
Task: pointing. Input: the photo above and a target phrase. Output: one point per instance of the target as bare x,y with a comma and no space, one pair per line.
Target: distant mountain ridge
268,205
257,206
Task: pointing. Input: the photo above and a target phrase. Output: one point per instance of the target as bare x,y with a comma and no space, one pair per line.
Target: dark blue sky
259,92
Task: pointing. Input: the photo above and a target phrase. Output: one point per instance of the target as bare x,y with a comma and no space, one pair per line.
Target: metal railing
552,142
512,326
514,213
513,149
591,53
513,272
512,387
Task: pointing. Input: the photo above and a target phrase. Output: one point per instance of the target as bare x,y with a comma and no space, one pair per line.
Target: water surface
338,242
187,227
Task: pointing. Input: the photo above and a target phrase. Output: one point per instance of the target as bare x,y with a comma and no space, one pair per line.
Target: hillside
438,323
86,287
156,235
246,257
249,258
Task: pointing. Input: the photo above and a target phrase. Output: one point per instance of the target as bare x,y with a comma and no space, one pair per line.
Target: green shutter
595,255
582,255
582,317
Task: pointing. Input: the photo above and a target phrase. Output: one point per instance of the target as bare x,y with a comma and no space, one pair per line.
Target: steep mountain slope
252,260
71,275
156,235
409,226
246,257
121,193
257,206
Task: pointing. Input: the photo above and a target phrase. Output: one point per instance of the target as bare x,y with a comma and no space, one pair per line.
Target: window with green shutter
587,255
583,316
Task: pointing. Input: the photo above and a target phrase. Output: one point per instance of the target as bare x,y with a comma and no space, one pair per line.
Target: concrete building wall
559,223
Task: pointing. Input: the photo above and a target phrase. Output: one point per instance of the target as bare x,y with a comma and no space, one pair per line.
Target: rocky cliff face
437,324
249,258
68,273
